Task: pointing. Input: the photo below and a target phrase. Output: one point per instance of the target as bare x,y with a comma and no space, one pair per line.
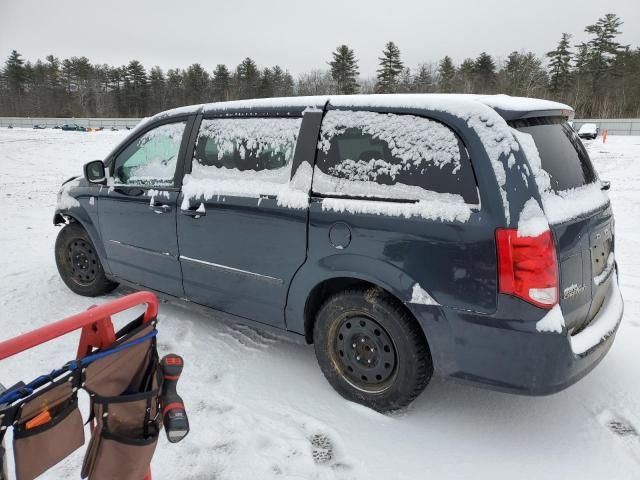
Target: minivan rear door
580,217
241,237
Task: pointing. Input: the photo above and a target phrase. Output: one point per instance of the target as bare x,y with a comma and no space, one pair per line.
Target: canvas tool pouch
48,428
126,409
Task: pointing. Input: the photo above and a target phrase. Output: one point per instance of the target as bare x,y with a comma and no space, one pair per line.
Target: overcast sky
298,35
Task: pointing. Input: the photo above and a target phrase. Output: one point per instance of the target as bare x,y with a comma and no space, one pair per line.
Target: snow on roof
429,101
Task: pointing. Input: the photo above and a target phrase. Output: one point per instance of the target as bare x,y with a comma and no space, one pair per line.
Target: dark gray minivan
402,235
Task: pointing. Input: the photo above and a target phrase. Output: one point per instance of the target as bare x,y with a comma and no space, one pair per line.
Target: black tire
78,263
390,364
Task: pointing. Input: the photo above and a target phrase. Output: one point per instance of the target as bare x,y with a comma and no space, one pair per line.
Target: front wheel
371,349
78,263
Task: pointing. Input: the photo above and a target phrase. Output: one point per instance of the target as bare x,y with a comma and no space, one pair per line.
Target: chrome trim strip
231,269
144,250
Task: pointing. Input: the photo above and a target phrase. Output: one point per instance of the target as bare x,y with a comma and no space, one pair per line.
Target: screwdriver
174,415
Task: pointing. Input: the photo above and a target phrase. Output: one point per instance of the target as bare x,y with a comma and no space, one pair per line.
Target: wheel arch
81,217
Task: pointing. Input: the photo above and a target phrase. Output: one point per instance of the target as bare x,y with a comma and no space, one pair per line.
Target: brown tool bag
125,398
124,384
47,428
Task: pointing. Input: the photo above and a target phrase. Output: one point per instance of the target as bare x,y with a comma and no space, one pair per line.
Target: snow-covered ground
257,401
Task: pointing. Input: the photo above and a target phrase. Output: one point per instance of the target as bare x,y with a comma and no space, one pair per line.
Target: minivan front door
239,245
137,211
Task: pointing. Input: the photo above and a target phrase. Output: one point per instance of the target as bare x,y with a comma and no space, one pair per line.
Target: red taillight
528,267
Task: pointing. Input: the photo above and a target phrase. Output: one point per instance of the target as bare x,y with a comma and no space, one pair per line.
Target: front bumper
511,355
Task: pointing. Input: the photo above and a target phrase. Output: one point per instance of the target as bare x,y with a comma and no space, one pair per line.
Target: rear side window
390,156
562,153
247,143
245,157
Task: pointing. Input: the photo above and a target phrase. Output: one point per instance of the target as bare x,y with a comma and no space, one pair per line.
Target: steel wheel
83,261
364,353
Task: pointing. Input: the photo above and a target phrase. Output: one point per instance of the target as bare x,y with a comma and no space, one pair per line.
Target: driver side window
150,160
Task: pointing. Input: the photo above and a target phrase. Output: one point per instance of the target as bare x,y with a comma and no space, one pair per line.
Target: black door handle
193,213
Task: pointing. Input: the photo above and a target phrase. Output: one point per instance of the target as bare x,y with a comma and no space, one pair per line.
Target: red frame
97,328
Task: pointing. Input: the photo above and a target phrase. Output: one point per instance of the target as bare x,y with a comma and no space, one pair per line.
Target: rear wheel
78,263
371,350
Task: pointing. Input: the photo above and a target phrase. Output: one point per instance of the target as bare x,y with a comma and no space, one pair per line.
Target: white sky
297,34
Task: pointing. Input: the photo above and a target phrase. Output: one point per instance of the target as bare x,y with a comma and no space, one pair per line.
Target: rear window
562,153
390,156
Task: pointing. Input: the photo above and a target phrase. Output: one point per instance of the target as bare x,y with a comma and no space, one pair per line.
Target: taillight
528,267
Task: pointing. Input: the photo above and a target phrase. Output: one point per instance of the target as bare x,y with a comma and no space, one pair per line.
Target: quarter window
151,159
389,156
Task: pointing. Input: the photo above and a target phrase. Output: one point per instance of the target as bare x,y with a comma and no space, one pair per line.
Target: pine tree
560,66
423,81
157,90
221,83
266,84
485,74
466,76
344,70
446,74
196,84
135,87
391,67
603,48
15,77
247,78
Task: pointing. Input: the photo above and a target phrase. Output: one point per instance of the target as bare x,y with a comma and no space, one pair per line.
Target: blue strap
11,396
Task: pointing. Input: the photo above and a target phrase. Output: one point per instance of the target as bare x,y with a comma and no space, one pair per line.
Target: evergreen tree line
599,77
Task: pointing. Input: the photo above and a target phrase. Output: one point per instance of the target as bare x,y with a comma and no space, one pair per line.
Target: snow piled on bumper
605,323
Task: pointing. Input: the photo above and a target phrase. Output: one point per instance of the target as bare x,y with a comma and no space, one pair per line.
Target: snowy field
257,400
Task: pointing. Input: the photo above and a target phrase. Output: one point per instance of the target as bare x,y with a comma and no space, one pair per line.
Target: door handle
193,213
160,208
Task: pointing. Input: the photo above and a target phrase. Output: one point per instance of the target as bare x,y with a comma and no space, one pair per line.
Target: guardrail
614,126
29,122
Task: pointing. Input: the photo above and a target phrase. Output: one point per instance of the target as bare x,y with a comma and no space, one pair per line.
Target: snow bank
421,297
603,325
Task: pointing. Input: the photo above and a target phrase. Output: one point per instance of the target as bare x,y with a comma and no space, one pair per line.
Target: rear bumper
510,355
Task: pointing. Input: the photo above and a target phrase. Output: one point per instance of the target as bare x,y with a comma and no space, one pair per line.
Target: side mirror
94,172
605,185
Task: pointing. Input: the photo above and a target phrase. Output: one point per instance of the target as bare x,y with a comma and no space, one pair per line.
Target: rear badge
572,291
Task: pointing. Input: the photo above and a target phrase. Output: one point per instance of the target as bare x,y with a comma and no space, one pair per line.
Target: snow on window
248,157
411,140
421,296
564,205
151,159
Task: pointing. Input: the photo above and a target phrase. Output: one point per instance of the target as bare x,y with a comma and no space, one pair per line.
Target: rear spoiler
509,115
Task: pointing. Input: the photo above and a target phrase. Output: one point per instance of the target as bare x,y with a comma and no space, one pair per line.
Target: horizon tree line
599,78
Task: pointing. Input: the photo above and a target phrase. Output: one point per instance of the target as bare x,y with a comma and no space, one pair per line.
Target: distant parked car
401,234
74,127
39,127
588,131
114,129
